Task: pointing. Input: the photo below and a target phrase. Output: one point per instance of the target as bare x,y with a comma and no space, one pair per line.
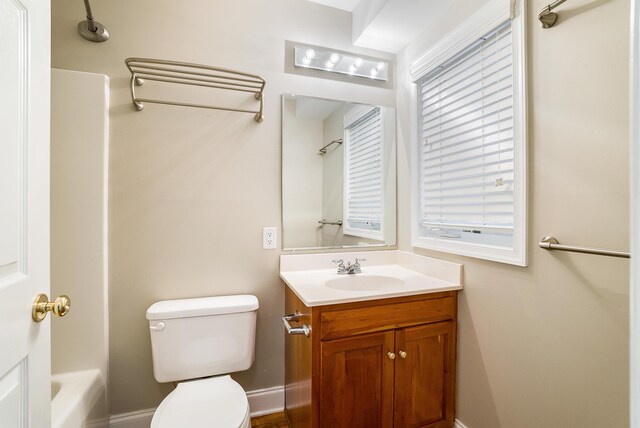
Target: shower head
90,29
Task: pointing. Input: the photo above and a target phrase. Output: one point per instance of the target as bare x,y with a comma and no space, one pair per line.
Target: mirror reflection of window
363,173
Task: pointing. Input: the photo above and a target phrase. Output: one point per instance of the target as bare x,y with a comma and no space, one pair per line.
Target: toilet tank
208,336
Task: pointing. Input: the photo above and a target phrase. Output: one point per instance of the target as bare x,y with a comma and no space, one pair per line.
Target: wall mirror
338,174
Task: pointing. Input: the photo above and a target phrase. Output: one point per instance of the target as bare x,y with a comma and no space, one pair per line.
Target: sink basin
364,283
386,274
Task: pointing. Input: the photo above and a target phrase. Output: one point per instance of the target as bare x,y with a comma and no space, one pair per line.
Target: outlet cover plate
269,238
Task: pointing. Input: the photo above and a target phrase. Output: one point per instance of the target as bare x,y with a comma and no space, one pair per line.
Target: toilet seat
218,402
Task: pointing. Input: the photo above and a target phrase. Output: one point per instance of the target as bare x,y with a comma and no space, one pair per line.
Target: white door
25,369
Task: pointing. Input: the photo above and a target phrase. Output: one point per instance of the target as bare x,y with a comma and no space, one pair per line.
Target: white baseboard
261,402
458,424
98,423
266,401
137,419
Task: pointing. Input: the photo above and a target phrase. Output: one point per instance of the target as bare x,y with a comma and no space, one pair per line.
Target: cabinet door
425,376
357,382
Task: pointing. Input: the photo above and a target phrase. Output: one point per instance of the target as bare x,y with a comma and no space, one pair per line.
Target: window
470,194
363,175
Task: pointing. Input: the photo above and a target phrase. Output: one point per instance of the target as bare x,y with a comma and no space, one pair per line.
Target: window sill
369,234
484,252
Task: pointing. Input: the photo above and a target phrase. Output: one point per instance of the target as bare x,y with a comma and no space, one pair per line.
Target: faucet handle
356,265
340,262
341,268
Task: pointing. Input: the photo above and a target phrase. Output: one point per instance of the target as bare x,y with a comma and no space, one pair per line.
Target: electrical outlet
269,238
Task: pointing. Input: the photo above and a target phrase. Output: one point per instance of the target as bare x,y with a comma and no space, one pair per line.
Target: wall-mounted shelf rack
185,73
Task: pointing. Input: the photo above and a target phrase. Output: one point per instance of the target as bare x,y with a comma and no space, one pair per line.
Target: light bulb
373,72
306,61
310,54
380,66
352,68
328,64
334,58
358,62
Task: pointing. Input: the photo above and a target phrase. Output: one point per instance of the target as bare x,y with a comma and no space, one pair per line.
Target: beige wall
542,346
547,345
332,177
302,172
190,190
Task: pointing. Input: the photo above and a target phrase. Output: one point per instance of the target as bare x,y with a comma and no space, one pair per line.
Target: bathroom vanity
370,355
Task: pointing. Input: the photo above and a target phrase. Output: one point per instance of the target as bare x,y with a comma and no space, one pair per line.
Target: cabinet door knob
402,354
391,355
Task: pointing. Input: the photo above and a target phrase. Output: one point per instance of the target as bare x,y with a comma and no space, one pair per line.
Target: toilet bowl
197,342
206,403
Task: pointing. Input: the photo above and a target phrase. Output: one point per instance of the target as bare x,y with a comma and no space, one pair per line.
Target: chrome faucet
349,269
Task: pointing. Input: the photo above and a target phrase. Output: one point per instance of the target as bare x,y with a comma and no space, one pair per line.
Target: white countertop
419,275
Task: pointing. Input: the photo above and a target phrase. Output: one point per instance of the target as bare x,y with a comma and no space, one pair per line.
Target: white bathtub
74,396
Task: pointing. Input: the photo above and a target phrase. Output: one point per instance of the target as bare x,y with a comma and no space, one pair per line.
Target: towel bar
551,243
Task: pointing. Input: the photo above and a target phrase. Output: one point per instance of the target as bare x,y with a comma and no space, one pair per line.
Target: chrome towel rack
551,243
323,150
185,73
332,223
304,329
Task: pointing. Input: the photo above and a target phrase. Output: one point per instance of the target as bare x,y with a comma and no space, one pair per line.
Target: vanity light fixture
343,63
309,54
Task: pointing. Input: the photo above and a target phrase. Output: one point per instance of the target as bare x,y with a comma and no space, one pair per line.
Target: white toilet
197,342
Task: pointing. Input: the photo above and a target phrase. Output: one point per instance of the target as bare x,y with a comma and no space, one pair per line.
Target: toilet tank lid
202,306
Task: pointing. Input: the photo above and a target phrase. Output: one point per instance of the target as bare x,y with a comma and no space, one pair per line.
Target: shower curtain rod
547,17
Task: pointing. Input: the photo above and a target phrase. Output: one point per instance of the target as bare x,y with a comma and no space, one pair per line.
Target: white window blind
364,175
466,135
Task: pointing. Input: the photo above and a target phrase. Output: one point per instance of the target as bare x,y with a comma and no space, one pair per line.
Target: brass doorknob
391,355
402,354
41,305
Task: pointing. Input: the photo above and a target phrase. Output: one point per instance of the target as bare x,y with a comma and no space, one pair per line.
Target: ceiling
387,25
347,5
315,108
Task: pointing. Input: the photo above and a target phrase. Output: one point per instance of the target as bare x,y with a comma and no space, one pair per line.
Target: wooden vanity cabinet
355,380
383,363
